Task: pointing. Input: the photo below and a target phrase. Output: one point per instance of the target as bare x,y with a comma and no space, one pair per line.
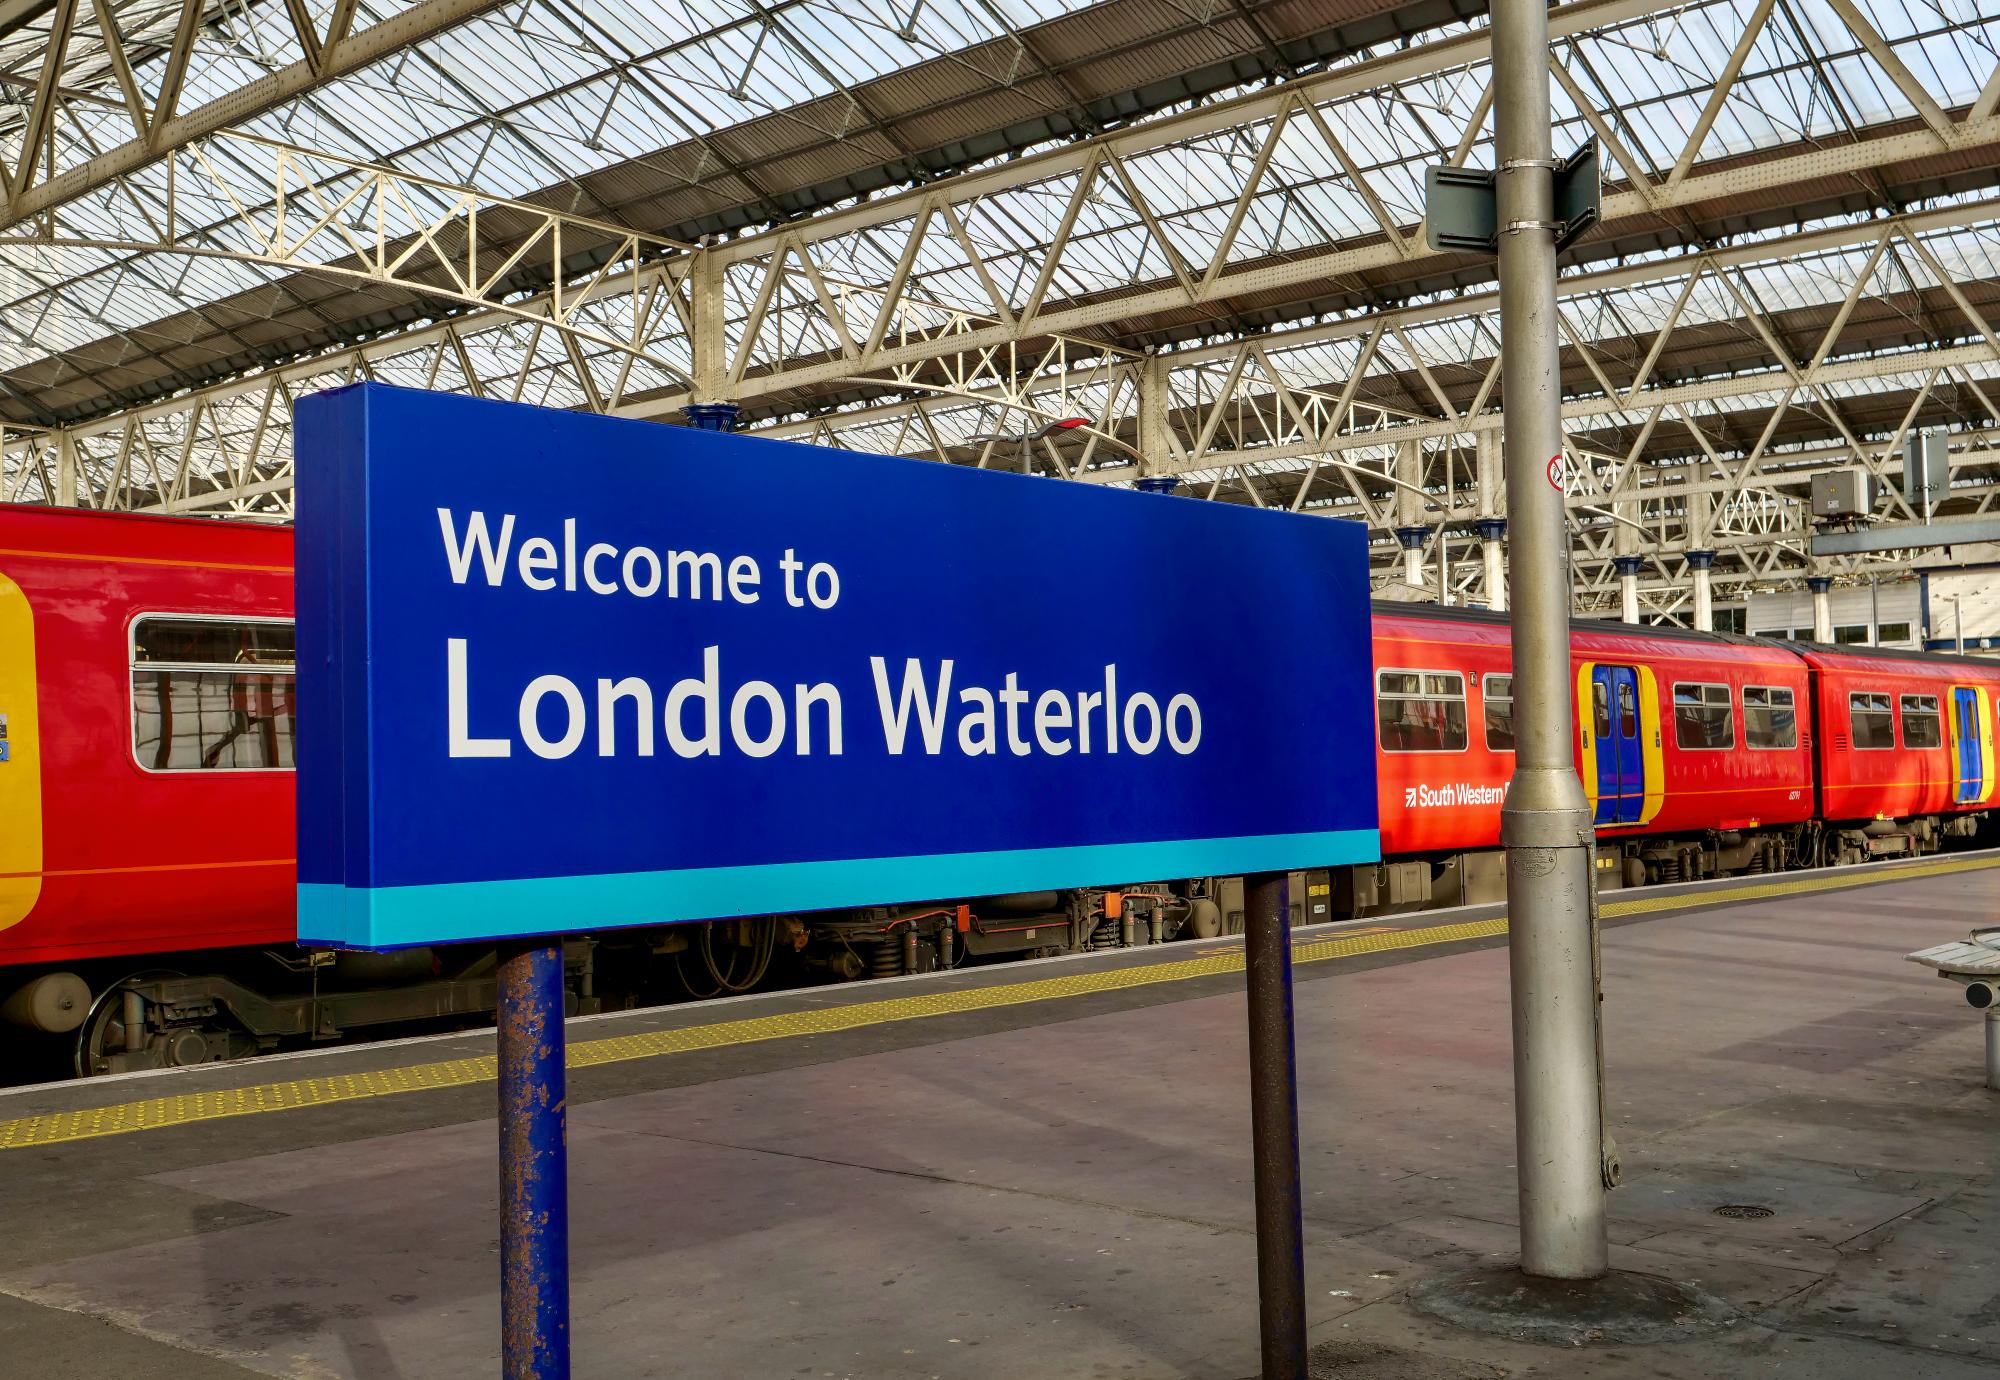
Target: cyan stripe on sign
460,912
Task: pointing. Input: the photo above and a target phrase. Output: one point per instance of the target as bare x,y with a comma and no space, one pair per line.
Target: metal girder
30,466
1250,408
1907,536
164,128
1231,414
246,199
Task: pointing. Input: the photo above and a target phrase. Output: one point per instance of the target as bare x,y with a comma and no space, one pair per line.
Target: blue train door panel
1621,765
1971,781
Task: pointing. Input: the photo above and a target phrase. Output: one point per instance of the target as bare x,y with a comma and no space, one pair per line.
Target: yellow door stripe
1652,761
1982,700
181,1109
1586,710
21,773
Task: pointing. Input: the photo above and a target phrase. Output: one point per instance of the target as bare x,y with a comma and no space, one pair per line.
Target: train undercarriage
204,1007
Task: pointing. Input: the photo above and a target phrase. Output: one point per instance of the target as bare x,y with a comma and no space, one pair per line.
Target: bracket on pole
1461,205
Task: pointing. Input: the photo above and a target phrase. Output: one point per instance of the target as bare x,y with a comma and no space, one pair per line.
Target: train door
1971,758
1621,762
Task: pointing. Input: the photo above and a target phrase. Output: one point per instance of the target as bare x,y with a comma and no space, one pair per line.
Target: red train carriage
1905,745
146,809
146,679
1698,752
1660,743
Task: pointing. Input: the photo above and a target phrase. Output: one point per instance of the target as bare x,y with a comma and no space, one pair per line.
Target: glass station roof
669,117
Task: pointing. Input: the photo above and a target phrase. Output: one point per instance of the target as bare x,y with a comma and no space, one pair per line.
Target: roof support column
1154,396
707,340
66,470
1409,475
1491,532
1700,563
1411,529
1628,586
1822,607
1489,477
1412,539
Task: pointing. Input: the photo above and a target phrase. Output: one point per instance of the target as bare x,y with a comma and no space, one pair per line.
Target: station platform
1043,1170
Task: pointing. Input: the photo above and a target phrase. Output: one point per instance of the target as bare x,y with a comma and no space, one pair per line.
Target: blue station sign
563,672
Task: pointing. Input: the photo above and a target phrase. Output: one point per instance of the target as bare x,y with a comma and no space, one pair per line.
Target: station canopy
1096,239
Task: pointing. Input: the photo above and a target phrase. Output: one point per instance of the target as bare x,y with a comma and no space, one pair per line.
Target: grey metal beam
1906,536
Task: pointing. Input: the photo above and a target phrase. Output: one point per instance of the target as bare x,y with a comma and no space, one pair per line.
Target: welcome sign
563,672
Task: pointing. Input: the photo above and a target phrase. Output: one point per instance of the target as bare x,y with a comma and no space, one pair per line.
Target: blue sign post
534,1163
562,672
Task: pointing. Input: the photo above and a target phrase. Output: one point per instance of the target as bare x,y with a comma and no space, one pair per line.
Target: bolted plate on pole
1460,211
1461,205
1926,469
1579,193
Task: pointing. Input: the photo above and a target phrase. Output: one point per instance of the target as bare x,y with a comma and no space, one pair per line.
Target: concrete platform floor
1062,1189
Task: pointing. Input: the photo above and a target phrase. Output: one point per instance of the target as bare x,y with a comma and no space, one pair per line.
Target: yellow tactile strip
1788,884
183,1108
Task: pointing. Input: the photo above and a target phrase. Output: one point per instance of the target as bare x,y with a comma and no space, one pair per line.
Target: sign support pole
1274,1125
534,1164
1546,821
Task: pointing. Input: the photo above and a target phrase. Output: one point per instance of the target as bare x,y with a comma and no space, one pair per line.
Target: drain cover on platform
1748,1212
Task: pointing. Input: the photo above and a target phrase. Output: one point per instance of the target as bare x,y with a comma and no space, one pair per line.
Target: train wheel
101,1037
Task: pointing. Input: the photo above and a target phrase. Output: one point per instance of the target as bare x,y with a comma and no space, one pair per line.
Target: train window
1421,711
1703,717
1770,717
1851,635
1499,695
1600,711
1921,727
1894,632
212,694
211,642
1870,721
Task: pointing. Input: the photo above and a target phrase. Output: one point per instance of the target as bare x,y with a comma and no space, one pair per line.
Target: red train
146,820
1702,753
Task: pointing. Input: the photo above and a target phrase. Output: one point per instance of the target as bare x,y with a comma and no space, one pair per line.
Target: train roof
1829,651
1808,651
1605,626
76,533
43,512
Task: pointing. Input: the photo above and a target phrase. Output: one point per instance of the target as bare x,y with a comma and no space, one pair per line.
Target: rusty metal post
1274,1125
534,1165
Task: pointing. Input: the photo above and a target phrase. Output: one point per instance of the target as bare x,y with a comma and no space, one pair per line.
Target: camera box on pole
1842,493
